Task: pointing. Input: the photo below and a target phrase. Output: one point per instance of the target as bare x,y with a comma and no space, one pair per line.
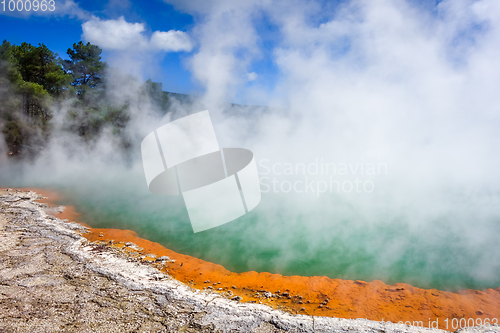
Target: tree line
34,81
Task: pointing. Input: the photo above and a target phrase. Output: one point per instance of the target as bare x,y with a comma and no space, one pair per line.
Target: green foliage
35,75
85,66
157,95
37,64
34,82
13,135
8,66
88,122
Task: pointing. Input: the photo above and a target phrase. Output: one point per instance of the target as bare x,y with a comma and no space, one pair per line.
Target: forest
37,86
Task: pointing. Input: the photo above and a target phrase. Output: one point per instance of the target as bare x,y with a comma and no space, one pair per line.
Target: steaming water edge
290,236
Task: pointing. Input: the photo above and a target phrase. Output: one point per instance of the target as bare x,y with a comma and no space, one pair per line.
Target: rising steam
412,87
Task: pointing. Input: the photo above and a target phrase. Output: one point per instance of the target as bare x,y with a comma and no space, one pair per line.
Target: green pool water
298,236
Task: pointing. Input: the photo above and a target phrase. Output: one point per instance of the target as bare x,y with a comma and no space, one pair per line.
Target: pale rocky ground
53,280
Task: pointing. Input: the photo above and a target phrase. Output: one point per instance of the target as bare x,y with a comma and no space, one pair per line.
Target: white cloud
173,40
114,34
122,35
71,9
252,76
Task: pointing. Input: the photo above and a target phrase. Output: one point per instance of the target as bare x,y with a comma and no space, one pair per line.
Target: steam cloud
414,87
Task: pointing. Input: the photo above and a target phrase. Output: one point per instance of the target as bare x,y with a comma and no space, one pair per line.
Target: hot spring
373,237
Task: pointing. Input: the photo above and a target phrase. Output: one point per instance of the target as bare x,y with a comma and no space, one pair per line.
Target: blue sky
60,30
63,27
259,72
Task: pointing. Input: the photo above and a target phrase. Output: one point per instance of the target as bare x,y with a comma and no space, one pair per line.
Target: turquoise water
292,243
299,236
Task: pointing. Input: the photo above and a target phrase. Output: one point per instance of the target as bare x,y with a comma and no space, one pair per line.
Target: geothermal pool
448,241
282,236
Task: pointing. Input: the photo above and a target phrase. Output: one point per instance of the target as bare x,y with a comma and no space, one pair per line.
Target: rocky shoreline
53,279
